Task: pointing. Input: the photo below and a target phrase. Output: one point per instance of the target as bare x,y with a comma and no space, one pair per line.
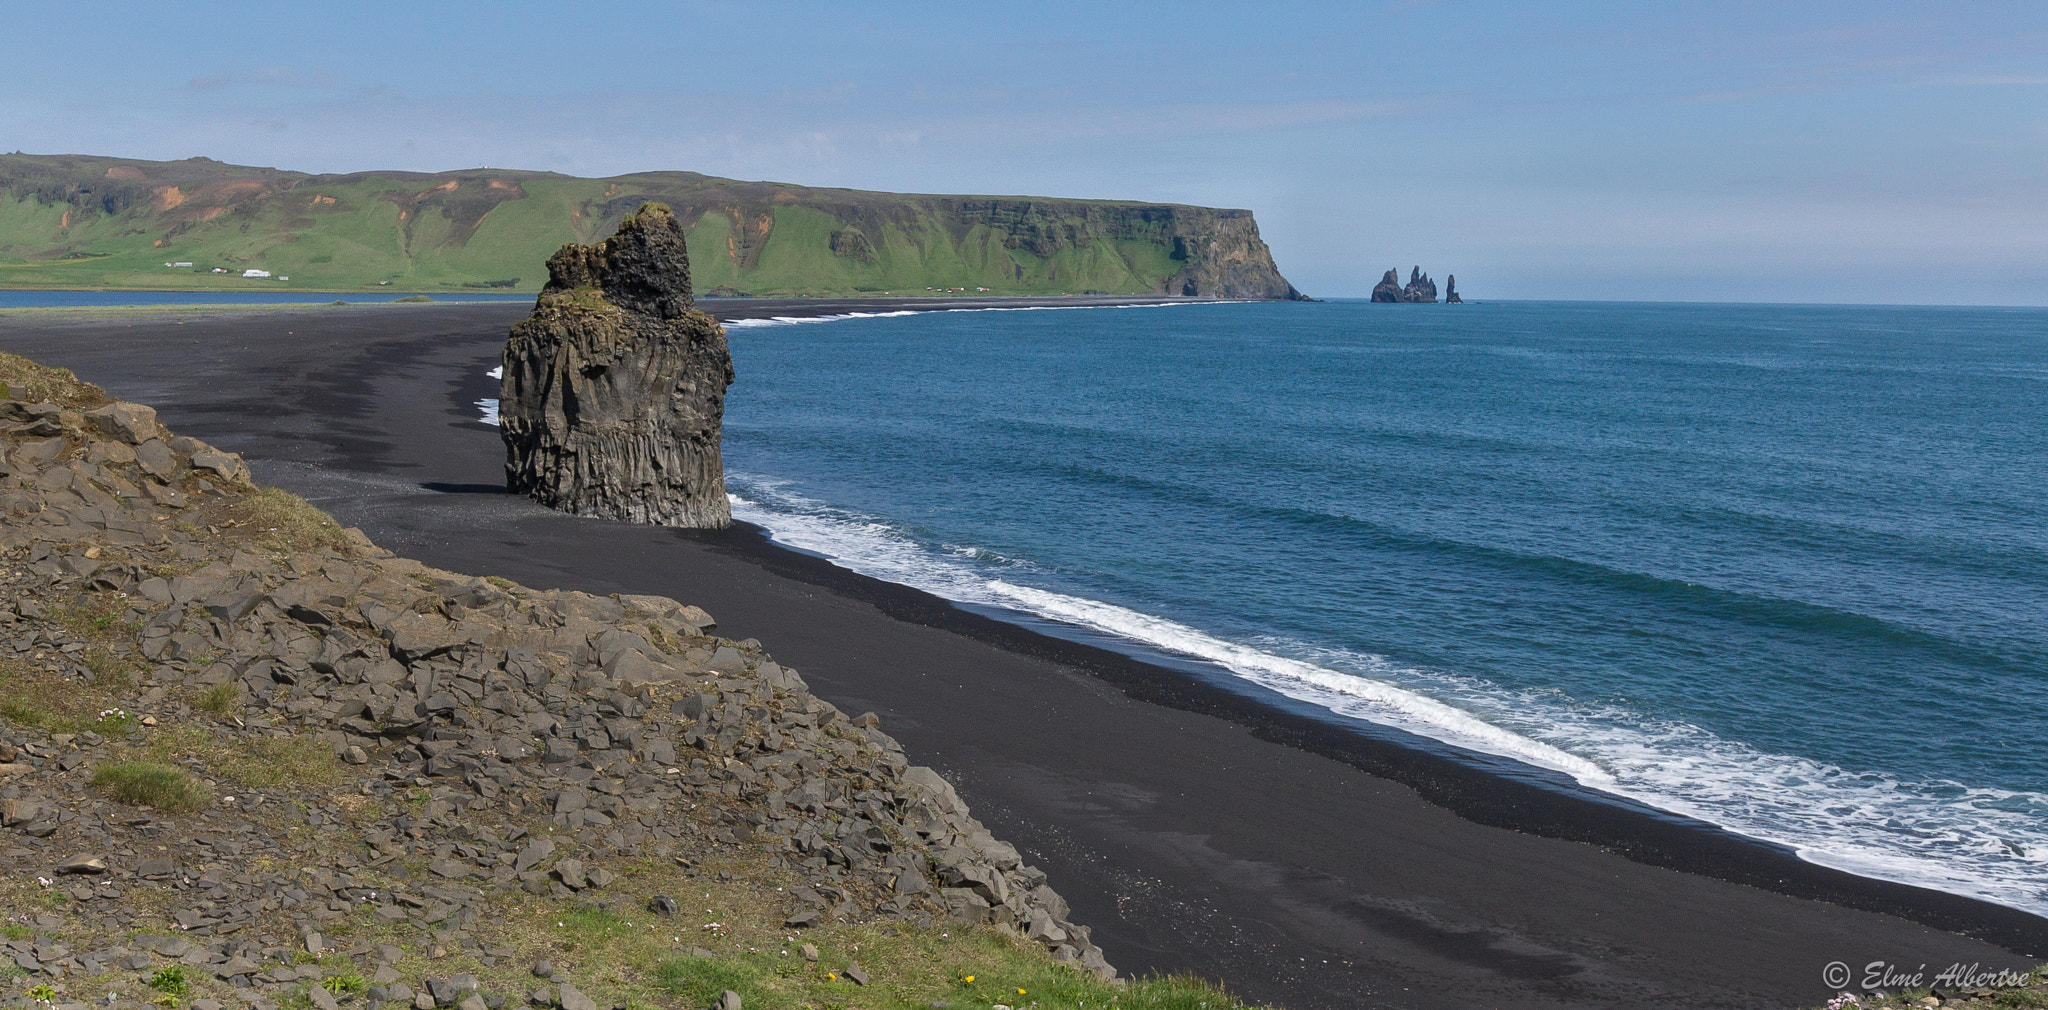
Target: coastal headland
1191,825
79,221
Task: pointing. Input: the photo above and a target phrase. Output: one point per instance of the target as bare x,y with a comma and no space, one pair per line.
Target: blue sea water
1780,568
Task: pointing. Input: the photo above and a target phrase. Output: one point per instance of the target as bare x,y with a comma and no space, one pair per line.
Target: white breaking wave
488,406
1343,693
736,324
1985,843
879,550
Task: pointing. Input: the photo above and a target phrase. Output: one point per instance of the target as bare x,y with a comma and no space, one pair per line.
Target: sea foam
742,324
1946,835
1985,843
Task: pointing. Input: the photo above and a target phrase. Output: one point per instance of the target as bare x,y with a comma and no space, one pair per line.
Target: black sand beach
1194,828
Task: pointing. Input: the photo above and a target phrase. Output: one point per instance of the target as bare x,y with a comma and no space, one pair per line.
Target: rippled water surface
1781,568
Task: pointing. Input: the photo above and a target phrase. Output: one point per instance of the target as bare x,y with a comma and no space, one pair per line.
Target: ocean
1783,569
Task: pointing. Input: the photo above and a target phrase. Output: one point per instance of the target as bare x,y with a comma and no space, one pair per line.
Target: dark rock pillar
1420,288
1389,287
614,389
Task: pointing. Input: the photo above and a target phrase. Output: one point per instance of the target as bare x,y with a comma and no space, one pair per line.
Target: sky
1728,151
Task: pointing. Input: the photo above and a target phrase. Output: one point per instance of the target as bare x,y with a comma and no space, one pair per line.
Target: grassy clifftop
93,222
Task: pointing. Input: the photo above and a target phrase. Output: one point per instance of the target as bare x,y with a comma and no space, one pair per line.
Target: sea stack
1451,290
1420,288
1389,287
614,389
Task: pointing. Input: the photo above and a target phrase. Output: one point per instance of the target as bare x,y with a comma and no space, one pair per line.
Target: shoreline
1498,792
1198,826
727,310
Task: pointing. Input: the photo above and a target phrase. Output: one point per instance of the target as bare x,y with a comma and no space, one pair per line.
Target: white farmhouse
255,273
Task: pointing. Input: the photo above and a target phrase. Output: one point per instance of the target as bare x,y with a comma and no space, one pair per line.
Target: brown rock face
614,389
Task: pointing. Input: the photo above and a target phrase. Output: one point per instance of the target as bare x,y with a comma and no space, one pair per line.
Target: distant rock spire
1389,287
1451,290
1420,288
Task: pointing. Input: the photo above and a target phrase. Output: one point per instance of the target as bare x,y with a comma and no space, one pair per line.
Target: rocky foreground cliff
83,221
612,393
248,758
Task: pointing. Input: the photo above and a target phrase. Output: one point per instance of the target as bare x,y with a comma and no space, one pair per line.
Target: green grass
344,983
282,521
777,983
258,762
26,380
273,761
42,698
171,981
404,232
148,784
222,700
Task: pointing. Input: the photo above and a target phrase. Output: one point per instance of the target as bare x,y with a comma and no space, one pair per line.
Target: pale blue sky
1862,152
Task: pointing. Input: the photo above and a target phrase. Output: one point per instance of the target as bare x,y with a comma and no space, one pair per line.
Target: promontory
77,221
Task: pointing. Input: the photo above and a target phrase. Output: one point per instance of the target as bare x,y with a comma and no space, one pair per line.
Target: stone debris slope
529,741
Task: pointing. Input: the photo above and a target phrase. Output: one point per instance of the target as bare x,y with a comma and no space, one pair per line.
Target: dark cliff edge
81,221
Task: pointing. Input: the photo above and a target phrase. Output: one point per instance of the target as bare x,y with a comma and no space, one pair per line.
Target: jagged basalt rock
1451,290
1419,289
614,389
1389,287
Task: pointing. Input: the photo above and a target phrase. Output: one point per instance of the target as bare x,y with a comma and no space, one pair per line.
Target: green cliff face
91,222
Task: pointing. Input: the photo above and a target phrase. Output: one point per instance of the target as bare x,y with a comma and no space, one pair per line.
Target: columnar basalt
614,389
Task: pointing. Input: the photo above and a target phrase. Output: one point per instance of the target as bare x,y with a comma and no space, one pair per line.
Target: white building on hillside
255,273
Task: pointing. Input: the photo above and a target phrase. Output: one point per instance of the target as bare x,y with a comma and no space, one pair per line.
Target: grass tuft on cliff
148,784
283,521
22,379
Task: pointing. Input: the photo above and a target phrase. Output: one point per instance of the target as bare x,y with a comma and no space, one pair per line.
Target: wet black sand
1193,826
